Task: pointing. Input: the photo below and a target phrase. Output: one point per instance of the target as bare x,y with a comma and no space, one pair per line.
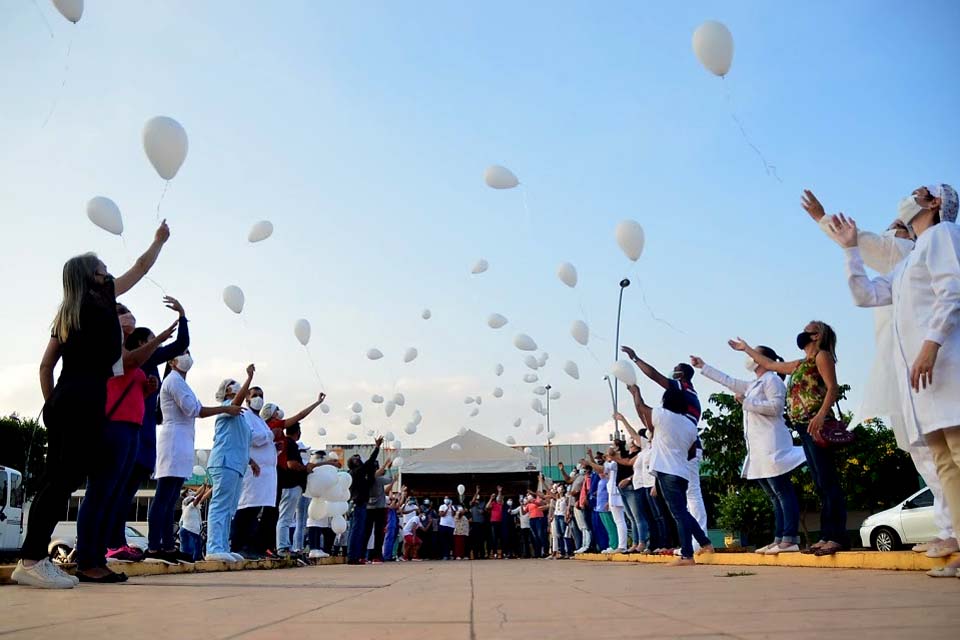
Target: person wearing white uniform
258,490
771,455
924,291
180,408
881,397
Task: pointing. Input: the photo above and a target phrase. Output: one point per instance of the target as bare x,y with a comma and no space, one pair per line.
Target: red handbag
835,431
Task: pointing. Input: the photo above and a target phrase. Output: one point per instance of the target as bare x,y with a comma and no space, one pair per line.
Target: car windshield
133,532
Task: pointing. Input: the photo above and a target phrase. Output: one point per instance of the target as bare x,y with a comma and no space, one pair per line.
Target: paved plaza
495,599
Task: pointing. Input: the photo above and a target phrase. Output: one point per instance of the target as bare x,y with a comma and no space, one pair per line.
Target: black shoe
161,557
184,558
110,578
249,555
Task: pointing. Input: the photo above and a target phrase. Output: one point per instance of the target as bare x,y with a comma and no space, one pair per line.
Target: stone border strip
888,561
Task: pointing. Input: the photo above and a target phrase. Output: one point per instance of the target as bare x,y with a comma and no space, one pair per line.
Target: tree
20,437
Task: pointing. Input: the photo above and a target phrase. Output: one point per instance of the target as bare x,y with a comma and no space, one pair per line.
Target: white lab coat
770,449
881,394
175,435
924,291
260,491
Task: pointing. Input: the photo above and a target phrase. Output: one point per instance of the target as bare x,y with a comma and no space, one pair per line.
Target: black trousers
376,524
478,539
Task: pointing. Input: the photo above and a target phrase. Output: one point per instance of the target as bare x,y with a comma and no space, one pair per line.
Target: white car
64,540
909,522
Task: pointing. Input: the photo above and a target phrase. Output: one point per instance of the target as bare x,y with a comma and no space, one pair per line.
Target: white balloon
567,274
511,440
518,422
351,436
374,354
539,428
410,429
542,359
410,355
321,431
524,342
478,400
389,407
417,416
530,377
199,471
624,372
396,444
455,447
338,524
301,329
356,407
317,509
376,399
475,412
355,420
389,437
260,231
370,433
551,435
462,431
233,298
536,405
344,479
398,462
399,400
580,332
461,489
426,314
165,142
495,321
498,177
532,362
539,391
469,400
571,369
320,481
72,10
325,408
498,369
631,238
480,266
528,450
337,508
554,395
105,213
333,456
497,392
713,46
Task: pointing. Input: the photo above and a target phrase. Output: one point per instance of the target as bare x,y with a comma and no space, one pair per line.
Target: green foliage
16,434
747,511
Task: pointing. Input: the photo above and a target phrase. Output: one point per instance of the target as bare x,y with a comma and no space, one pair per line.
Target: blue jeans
191,544
538,529
103,503
223,506
823,469
786,509
565,544
390,537
600,539
357,546
287,517
657,526
674,490
160,518
299,536
639,530
577,534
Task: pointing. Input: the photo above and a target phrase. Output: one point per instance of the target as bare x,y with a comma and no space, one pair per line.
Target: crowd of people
113,422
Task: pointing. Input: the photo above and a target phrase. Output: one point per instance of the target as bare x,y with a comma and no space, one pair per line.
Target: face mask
127,322
448,501
108,289
509,503
256,403
803,339
184,362
579,466
233,388
678,375
908,209
750,365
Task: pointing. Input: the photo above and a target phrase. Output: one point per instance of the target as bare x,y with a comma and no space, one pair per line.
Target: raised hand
163,232
845,230
321,397
174,305
811,205
697,362
738,345
251,369
629,351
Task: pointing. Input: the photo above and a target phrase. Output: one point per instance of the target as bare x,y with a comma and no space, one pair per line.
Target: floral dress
461,526
806,393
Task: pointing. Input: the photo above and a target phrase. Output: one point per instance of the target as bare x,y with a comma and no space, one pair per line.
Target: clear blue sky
362,131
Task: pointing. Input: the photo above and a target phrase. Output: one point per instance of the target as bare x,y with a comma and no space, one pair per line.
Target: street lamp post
549,444
616,353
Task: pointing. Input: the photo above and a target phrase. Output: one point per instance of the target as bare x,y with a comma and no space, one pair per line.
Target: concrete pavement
496,599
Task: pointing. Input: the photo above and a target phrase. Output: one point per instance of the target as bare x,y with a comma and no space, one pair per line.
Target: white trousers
584,529
695,497
927,468
621,522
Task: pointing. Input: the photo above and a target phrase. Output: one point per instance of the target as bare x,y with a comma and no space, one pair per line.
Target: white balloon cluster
329,493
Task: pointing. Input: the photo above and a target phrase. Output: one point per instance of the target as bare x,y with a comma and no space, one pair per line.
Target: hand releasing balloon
567,274
580,332
631,238
301,329
498,177
165,142
495,321
571,369
524,342
713,46
624,372
260,231
105,213
480,266
233,298
72,10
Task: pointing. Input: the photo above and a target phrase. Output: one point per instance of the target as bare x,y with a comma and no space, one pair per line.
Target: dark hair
137,338
252,389
687,370
675,401
292,429
772,355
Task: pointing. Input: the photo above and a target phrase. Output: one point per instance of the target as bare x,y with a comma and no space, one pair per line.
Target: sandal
828,550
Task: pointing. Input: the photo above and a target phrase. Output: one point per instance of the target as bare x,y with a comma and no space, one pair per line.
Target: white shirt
446,516
190,516
637,478
175,435
648,480
323,523
673,435
411,526
613,491
924,290
260,491
770,449
409,512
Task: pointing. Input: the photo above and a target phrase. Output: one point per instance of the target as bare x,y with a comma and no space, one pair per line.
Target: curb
886,561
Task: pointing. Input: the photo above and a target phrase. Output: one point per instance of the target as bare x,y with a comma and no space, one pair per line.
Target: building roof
477,454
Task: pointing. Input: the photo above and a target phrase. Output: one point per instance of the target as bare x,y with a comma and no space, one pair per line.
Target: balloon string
526,206
770,169
313,365
166,185
43,17
63,84
643,297
156,284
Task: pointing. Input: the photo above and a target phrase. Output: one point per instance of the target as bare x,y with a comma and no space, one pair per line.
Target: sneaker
762,550
218,557
942,549
184,558
42,575
160,557
72,578
121,555
136,551
239,557
777,550
318,553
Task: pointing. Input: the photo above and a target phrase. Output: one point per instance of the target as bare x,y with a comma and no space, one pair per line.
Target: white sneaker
237,557
219,557
609,551
63,574
322,553
777,550
42,575
762,550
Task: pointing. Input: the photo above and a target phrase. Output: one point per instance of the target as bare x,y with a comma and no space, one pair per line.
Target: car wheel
61,553
885,539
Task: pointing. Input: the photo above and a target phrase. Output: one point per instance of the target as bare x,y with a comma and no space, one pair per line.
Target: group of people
641,495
